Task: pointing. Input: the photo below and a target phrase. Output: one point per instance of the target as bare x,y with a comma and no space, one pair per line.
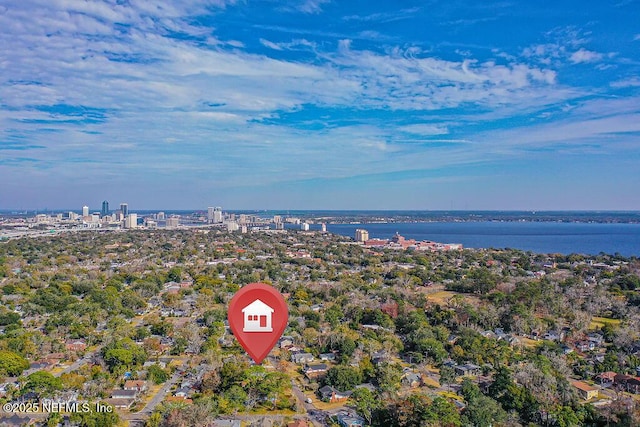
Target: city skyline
320,104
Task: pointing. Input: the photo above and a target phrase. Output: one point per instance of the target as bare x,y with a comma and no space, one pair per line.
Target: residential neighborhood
137,321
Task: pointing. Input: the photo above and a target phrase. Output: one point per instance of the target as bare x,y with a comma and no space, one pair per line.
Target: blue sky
319,104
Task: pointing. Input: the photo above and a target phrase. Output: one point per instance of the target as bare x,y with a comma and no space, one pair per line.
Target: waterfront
541,237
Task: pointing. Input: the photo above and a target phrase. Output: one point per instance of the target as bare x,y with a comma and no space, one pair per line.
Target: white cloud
636,37
424,129
584,55
630,82
270,45
312,6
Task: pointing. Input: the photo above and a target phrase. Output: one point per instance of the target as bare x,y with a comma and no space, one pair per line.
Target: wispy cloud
169,91
630,82
312,6
584,55
384,16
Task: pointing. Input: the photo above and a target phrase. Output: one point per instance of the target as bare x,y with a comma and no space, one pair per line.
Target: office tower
243,219
105,208
131,221
277,219
362,235
173,222
125,209
85,210
217,215
160,215
210,214
232,226
304,226
323,227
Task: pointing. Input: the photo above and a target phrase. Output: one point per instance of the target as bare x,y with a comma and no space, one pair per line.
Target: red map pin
258,315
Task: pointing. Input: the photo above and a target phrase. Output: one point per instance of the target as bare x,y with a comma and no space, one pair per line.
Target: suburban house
627,383
302,358
124,394
330,394
315,371
468,370
350,420
122,399
585,391
411,379
137,385
286,341
182,392
586,345
606,379
76,345
328,357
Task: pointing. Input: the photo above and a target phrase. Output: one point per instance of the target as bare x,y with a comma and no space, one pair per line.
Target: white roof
257,306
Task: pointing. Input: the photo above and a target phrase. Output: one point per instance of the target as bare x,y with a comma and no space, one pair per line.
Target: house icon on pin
257,317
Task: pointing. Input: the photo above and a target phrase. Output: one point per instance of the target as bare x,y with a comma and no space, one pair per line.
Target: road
145,412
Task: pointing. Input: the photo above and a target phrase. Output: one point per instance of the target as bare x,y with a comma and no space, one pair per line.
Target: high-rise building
277,219
173,222
304,226
323,227
217,215
210,214
85,210
105,208
232,226
131,221
161,215
125,209
362,235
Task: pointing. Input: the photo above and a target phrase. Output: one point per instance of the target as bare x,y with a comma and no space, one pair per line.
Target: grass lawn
599,322
450,395
326,406
430,382
527,342
441,297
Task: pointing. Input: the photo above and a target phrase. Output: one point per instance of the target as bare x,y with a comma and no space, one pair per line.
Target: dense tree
12,363
42,383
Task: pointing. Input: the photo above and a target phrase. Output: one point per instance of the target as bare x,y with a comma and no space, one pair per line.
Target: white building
232,226
210,211
257,317
217,215
85,211
304,226
173,222
362,235
131,221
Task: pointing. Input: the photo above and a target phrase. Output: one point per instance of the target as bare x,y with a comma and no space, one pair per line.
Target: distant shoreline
401,216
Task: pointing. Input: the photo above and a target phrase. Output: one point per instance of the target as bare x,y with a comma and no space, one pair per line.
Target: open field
599,322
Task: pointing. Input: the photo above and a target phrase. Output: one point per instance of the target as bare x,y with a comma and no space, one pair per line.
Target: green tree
366,403
343,377
447,375
95,419
42,383
156,374
12,363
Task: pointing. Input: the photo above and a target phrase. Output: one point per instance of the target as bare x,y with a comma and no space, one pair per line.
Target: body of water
541,237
